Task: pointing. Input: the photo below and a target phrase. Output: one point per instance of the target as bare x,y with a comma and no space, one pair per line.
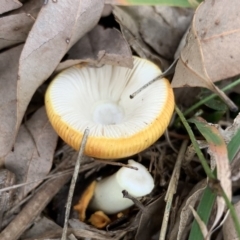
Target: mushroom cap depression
98,99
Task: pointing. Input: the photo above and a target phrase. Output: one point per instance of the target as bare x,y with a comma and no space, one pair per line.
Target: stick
169,71
73,183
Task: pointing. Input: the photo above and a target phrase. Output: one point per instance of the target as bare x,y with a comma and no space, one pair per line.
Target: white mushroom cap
98,98
108,195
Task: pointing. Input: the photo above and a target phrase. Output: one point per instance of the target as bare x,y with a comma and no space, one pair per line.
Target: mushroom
98,98
108,195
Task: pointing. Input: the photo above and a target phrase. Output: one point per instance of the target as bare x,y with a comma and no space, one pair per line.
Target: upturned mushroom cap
98,99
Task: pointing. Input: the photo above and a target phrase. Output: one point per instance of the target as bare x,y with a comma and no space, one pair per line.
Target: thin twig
33,208
51,176
169,71
73,183
135,201
172,189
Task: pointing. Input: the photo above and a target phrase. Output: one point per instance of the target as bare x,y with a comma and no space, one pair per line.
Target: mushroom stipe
98,98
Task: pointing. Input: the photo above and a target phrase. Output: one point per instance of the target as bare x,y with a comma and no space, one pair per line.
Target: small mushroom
98,98
108,195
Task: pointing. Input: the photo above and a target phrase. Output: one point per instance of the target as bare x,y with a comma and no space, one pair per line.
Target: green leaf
204,211
234,146
207,132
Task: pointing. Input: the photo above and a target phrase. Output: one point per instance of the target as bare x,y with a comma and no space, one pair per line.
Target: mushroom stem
108,195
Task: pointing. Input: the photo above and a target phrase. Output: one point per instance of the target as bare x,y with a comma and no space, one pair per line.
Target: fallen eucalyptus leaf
130,30
58,26
171,24
32,156
8,101
14,28
211,53
99,46
9,5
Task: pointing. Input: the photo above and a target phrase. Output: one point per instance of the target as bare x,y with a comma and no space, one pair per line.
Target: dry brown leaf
230,131
14,28
130,30
8,101
78,232
106,46
185,215
219,156
211,53
170,23
58,26
229,231
93,232
151,218
100,46
33,151
41,226
143,22
9,5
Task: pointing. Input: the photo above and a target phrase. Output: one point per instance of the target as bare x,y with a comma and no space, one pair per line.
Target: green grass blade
204,211
207,201
206,99
234,146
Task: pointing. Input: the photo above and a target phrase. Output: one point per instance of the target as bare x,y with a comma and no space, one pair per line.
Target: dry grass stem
73,183
33,208
172,189
169,71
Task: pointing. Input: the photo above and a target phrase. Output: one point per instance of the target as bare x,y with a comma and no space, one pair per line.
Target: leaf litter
16,26
9,5
33,152
217,149
201,63
39,40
